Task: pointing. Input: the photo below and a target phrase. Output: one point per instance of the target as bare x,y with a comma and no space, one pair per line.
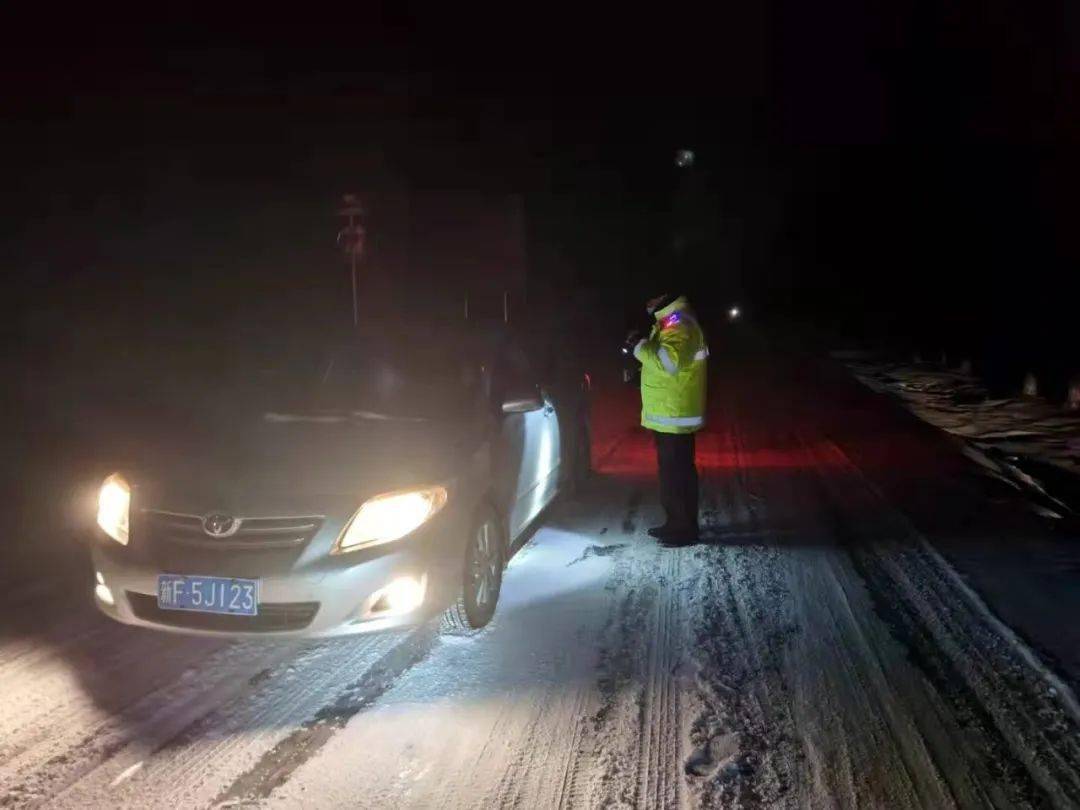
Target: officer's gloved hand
632,338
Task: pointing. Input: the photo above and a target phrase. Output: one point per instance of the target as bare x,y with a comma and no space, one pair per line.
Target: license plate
208,594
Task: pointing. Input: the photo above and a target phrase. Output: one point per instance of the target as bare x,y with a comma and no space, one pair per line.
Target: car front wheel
482,575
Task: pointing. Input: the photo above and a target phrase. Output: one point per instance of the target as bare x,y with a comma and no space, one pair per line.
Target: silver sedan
394,486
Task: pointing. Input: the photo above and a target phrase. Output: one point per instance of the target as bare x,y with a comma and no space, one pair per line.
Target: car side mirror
523,402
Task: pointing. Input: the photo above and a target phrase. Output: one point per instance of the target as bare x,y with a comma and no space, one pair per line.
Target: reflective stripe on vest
669,364
666,361
676,421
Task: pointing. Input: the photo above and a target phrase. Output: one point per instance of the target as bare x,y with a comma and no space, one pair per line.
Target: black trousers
678,479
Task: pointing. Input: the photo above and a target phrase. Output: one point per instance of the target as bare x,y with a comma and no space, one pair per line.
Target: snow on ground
783,669
82,717
1024,441
818,652
486,720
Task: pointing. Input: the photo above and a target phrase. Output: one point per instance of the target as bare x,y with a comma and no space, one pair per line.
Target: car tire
481,576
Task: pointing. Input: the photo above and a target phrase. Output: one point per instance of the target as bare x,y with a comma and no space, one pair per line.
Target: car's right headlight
389,517
114,506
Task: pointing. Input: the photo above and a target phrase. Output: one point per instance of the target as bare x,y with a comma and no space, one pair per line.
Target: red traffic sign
351,239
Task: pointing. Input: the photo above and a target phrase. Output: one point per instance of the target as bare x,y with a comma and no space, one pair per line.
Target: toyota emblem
218,525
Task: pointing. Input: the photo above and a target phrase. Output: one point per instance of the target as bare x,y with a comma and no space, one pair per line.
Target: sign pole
351,239
355,303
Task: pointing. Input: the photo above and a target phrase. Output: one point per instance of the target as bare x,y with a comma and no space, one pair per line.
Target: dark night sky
903,169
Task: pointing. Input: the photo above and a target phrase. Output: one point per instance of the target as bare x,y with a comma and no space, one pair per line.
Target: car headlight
389,517
114,505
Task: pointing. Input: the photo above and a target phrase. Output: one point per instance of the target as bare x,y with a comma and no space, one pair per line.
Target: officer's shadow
733,516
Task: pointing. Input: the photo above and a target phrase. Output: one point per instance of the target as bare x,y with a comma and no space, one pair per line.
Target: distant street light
733,313
684,158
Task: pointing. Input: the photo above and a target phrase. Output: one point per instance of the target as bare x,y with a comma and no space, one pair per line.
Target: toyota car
389,482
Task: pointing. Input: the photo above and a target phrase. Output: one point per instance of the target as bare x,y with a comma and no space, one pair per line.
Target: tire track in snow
55,699
1021,727
785,698
546,766
552,770
57,728
618,671
633,738
522,769
571,791
659,782
292,749
743,739
192,748
135,735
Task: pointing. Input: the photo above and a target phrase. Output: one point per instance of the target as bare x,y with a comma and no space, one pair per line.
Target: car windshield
415,378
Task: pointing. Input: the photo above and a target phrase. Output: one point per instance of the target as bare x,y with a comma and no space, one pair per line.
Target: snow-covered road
819,652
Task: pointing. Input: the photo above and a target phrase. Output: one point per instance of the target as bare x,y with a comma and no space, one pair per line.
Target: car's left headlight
389,517
114,506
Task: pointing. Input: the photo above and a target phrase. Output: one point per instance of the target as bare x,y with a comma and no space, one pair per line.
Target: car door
528,447
549,453
549,458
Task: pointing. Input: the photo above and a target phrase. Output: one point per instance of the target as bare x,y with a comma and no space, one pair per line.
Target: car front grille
254,532
273,616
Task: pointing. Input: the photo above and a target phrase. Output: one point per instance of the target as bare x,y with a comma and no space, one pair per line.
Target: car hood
290,465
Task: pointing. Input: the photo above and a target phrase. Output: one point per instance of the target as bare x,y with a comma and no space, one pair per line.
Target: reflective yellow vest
673,361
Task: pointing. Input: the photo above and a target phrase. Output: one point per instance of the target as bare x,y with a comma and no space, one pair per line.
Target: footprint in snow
721,754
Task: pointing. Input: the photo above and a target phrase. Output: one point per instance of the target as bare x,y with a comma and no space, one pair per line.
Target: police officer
673,380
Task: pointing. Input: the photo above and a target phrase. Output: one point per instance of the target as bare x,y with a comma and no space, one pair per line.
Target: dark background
895,175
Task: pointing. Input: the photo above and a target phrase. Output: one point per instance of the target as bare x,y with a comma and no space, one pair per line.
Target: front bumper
336,598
